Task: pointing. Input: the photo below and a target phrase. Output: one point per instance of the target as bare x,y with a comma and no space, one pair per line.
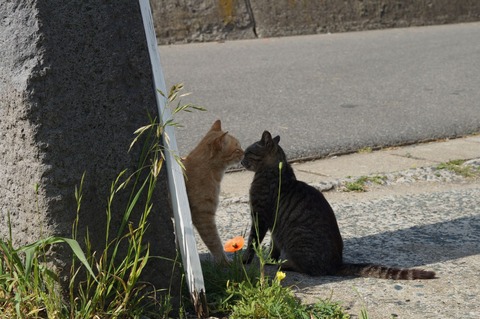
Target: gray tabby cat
305,231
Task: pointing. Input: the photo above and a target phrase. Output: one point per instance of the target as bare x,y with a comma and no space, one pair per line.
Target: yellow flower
234,244
280,275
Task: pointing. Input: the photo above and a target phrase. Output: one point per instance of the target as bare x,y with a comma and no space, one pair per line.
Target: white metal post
181,209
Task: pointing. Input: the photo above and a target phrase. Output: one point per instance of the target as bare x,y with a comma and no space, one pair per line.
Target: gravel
424,217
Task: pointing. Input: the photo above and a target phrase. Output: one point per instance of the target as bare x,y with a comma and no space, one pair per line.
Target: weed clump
105,283
360,184
458,167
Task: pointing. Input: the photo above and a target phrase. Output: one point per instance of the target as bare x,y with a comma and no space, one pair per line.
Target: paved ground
333,93
421,216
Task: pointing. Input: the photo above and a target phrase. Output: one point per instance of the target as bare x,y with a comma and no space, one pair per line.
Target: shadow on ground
418,245
411,247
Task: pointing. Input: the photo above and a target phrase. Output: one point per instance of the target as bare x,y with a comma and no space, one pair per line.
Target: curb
331,172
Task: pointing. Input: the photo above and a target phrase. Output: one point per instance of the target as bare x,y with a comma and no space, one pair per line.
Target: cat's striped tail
384,272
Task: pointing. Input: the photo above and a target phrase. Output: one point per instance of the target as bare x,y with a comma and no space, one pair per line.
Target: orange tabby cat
204,169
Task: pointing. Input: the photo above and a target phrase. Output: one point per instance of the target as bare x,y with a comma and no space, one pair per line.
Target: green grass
457,167
102,284
272,300
364,150
360,184
27,287
109,288
239,291
105,283
363,313
218,277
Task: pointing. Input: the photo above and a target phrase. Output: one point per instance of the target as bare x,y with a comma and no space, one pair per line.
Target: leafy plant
28,288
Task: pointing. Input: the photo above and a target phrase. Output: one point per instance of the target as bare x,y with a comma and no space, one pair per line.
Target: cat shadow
417,246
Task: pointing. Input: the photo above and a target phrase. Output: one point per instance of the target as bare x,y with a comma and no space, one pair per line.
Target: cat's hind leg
307,262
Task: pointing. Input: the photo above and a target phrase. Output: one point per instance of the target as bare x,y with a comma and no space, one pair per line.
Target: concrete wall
75,83
201,20
216,20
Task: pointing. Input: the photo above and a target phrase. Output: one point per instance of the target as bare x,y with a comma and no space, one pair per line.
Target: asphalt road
333,93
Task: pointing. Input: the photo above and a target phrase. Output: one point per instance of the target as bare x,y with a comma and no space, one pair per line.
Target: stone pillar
75,83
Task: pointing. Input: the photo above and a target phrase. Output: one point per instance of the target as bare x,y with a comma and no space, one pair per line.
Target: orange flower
234,244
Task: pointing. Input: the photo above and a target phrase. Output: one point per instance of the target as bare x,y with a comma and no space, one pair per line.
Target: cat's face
225,149
231,151
265,152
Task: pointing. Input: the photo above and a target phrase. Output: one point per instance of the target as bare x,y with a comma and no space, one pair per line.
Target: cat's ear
266,137
217,126
218,142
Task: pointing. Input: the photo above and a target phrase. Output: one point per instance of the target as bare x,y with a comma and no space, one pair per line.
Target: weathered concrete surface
294,17
75,83
209,20
386,161
214,20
